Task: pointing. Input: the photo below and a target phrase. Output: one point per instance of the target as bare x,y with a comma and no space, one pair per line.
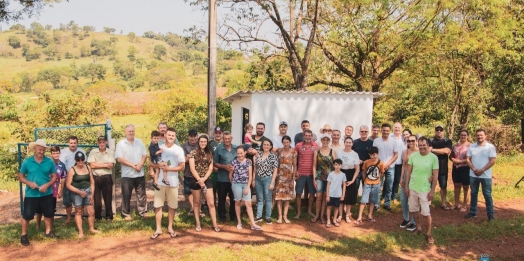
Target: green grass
9,185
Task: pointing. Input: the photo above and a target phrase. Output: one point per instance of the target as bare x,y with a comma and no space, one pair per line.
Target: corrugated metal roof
239,94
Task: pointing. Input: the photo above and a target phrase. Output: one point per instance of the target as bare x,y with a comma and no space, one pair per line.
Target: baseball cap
193,132
283,123
439,126
101,138
218,129
325,135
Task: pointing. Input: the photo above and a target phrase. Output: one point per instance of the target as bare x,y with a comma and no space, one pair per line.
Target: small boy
335,190
155,154
372,171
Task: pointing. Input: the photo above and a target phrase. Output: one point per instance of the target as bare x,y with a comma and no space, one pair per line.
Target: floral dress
285,181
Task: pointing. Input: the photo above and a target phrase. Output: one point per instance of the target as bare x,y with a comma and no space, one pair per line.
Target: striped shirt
305,158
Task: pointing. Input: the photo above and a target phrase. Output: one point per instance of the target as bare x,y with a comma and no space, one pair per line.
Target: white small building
338,109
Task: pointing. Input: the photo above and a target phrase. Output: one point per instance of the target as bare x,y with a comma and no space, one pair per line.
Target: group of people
278,168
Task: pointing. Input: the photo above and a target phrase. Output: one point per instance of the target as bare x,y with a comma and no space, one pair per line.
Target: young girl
248,138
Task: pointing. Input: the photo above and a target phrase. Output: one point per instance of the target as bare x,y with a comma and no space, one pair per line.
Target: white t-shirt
349,159
172,156
68,157
480,156
401,146
335,188
386,149
277,142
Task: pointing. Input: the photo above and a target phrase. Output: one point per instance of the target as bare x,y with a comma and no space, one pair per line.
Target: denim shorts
370,194
78,201
67,198
238,191
321,186
302,182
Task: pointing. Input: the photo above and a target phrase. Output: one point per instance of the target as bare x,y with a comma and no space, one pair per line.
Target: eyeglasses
411,140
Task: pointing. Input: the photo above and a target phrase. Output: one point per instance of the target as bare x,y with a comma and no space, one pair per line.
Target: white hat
39,142
325,135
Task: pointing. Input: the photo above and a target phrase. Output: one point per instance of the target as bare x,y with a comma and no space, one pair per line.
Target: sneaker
376,208
24,240
268,221
388,208
411,227
258,219
491,218
404,224
470,215
51,235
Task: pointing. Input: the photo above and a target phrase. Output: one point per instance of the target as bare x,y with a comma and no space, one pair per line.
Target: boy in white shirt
334,191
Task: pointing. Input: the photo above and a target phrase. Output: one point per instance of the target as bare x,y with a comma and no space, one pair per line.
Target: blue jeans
405,206
263,195
486,191
387,182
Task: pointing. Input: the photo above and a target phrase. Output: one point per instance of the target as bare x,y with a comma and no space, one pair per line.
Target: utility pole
212,68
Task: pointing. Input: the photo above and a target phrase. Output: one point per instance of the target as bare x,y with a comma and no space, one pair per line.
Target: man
213,145
401,144
348,131
422,168
480,158
441,146
299,137
222,158
131,154
387,153
336,142
361,147
162,128
187,147
282,131
259,136
375,130
306,151
38,173
67,156
102,160
173,154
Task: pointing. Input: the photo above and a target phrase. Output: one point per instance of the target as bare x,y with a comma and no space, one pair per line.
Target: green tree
149,34
33,54
159,51
126,70
164,75
109,30
131,36
131,53
93,71
14,41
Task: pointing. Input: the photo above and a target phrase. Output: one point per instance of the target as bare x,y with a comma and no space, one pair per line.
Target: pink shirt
305,158
460,152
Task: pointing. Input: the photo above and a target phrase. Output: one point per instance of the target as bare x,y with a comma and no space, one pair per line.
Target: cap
439,126
80,156
193,132
325,135
283,123
218,129
101,138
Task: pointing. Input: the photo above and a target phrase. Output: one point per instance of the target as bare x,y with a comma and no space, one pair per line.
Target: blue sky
128,15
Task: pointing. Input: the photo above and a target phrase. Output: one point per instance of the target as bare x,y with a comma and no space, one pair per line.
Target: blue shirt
224,157
39,173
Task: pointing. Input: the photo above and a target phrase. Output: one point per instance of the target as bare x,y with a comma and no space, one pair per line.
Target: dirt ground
138,246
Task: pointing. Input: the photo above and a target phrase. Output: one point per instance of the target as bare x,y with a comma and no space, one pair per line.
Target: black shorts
443,180
193,184
333,202
46,205
39,208
460,175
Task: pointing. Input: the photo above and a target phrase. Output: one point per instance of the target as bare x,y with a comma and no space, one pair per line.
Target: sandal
372,220
358,222
155,235
348,219
239,226
430,239
166,182
328,225
336,224
462,209
339,219
155,186
286,221
198,229
323,221
444,207
190,213
314,220
279,221
202,214
172,234
216,229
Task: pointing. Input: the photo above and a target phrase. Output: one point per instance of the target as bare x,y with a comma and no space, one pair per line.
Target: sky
136,16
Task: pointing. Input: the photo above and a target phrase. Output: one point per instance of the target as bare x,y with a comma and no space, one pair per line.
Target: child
372,171
335,190
248,138
155,154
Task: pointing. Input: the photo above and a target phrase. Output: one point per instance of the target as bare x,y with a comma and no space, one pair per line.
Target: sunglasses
439,130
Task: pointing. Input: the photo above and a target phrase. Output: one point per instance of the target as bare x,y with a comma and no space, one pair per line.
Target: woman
350,167
287,157
411,148
405,135
266,167
201,166
240,178
322,166
460,171
81,183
